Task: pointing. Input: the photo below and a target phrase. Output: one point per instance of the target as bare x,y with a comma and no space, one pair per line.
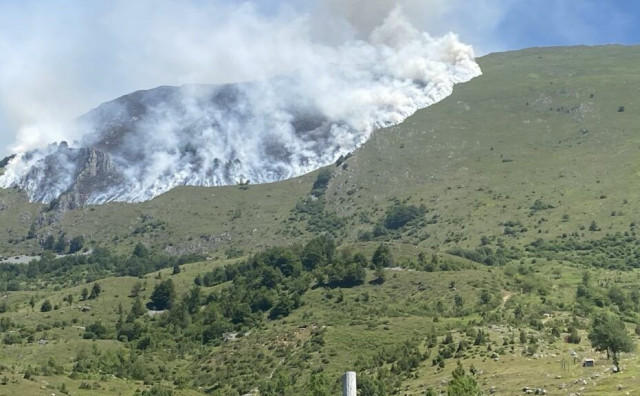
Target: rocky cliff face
97,174
68,177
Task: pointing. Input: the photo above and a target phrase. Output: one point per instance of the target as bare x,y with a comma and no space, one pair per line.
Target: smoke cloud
309,97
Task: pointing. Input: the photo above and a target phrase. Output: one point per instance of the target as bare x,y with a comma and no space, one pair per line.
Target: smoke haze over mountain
310,99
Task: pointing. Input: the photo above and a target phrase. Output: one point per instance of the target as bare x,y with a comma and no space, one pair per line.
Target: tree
137,310
61,245
163,296
400,215
193,299
76,244
33,269
95,291
462,384
49,243
46,306
318,252
574,336
382,257
458,301
84,294
608,333
321,183
380,274
485,297
135,289
141,250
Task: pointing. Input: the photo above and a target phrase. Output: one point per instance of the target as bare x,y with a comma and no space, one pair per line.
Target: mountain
197,134
258,132
552,126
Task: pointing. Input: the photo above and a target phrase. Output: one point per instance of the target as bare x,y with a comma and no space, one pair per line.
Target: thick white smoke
265,130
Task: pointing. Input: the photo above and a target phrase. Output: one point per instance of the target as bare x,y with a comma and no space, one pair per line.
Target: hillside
558,125
555,126
494,229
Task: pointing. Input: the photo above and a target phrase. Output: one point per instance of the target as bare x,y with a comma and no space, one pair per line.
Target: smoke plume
316,101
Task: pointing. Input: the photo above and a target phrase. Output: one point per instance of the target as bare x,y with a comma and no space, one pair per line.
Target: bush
400,215
46,306
574,337
321,183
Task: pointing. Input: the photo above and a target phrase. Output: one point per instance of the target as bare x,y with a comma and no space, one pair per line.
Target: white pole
349,384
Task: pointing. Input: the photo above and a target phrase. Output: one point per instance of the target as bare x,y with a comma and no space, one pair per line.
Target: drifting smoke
263,131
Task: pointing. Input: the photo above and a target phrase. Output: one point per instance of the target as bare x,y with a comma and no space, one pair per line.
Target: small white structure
349,387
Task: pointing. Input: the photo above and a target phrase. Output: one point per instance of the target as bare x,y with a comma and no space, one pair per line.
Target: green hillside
510,211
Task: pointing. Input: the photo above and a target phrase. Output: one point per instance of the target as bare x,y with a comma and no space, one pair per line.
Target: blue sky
60,58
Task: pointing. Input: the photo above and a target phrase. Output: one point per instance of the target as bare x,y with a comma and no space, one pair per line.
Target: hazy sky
60,58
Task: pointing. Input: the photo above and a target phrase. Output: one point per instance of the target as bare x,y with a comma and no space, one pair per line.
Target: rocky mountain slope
259,132
540,146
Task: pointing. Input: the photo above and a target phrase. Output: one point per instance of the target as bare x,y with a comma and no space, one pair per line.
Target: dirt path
506,298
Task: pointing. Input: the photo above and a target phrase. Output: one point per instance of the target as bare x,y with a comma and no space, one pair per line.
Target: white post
349,384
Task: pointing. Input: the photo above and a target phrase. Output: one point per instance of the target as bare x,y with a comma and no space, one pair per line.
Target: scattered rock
580,381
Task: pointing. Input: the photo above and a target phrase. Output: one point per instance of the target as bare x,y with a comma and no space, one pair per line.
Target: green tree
485,297
49,243
95,291
141,250
318,252
608,333
458,301
61,245
380,274
135,289
400,215
84,294
462,384
193,299
321,183
163,296
46,306
137,310
76,244
382,257
574,337
33,269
